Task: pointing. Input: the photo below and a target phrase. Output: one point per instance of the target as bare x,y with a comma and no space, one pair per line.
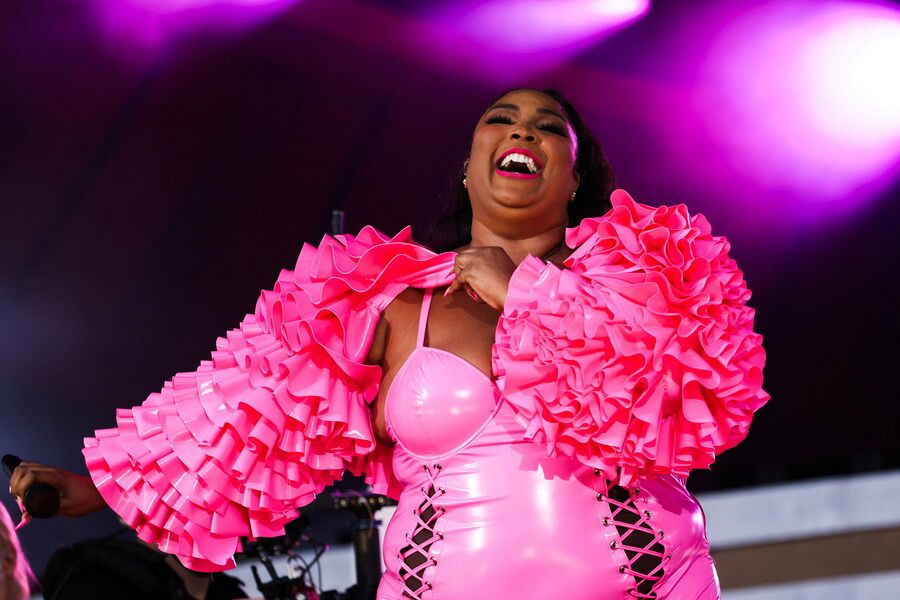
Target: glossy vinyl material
434,386
634,362
512,522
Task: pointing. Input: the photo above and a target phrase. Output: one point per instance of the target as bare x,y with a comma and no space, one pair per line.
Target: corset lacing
636,536
417,555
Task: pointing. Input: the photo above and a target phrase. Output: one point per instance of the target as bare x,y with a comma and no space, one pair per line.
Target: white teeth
519,158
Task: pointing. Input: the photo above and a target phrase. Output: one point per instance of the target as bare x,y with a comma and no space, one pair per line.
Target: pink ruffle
640,358
279,412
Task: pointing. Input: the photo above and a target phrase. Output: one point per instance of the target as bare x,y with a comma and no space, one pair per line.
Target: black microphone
41,499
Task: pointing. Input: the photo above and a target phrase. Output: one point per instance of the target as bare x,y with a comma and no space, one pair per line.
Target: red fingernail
447,291
473,295
25,519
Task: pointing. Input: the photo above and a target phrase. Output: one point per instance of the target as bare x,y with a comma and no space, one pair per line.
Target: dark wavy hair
452,227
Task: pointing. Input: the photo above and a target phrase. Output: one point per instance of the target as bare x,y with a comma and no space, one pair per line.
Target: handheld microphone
41,499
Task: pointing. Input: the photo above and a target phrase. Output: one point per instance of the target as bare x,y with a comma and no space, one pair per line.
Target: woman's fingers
25,516
484,273
461,283
453,287
483,276
77,493
27,474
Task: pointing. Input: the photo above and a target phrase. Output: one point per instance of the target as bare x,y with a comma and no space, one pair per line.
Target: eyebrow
546,111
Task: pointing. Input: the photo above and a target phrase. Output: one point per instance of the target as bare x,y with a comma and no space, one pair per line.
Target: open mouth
519,163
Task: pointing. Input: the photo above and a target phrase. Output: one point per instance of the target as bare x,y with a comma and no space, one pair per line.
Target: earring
465,173
575,191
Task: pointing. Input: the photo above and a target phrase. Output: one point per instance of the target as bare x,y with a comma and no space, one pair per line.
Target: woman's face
522,162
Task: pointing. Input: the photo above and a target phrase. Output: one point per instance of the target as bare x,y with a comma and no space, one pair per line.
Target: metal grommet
438,466
442,490
622,569
425,468
600,497
440,536
597,471
614,545
662,534
636,491
434,562
648,514
605,520
407,536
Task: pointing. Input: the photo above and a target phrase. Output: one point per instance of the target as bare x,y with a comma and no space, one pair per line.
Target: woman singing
534,397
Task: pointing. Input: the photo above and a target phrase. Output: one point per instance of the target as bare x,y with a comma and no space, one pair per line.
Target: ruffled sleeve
278,412
639,358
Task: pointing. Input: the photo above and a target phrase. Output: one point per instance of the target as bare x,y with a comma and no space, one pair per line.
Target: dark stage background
150,190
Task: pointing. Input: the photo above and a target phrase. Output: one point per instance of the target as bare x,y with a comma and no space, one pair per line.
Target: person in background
16,575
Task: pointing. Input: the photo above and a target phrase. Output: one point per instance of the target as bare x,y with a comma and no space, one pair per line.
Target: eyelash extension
554,128
551,127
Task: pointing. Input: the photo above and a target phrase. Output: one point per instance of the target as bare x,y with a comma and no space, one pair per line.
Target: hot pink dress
486,514
563,477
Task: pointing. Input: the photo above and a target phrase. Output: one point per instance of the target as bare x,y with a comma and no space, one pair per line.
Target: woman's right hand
77,494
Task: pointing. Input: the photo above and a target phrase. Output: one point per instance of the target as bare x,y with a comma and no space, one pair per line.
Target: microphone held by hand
41,500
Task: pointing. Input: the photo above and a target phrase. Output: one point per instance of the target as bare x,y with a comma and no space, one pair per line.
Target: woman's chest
456,325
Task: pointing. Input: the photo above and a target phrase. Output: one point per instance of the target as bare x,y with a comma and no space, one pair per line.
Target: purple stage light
146,24
510,39
803,97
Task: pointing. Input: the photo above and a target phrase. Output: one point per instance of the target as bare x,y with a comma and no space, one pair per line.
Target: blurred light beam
148,24
804,96
508,39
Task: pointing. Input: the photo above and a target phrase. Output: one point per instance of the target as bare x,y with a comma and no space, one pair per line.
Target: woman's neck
548,244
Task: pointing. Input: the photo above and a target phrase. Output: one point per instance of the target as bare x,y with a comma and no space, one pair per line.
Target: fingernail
447,291
25,519
473,295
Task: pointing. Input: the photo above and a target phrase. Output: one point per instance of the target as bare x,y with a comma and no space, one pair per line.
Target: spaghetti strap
423,318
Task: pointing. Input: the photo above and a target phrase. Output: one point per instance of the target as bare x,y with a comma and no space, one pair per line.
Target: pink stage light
509,39
805,98
147,24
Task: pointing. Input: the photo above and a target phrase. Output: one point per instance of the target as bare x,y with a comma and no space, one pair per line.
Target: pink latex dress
486,514
614,377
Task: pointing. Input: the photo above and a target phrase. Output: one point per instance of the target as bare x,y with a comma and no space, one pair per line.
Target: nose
522,134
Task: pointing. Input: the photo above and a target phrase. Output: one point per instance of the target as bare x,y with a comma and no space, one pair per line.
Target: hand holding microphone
41,500
43,491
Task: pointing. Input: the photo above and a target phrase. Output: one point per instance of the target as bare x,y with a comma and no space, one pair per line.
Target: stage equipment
298,583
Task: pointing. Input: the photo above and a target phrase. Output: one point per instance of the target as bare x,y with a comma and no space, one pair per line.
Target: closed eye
549,126
499,119
555,128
